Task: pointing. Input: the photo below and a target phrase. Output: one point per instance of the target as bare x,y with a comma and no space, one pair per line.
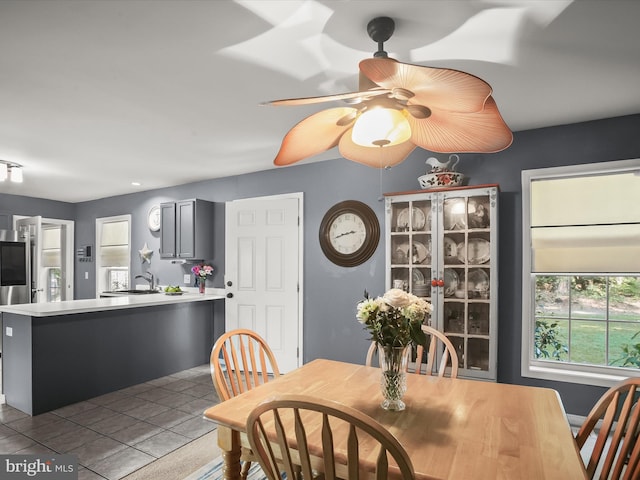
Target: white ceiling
96,94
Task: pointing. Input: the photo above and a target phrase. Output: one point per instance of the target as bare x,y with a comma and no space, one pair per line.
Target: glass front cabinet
442,246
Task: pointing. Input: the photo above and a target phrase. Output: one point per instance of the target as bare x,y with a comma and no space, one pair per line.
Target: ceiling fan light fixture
381,127
398,107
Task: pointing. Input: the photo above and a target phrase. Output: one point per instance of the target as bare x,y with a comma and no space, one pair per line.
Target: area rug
198,460
182,462
213,471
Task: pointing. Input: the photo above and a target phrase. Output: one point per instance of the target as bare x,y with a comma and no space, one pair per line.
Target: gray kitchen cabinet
186,229
168,230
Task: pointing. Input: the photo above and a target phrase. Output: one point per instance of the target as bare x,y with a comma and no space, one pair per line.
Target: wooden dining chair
444,352
373,355
439,352
240,361
298,434
615,421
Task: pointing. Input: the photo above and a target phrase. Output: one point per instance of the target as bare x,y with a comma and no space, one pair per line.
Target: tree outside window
588,319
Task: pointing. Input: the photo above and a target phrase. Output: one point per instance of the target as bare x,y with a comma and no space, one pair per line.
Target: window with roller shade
113,255
52,262
581,272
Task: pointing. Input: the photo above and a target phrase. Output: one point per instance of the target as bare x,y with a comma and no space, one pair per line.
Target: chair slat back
371,354
438,346
279,433
616,451
241,360
440,352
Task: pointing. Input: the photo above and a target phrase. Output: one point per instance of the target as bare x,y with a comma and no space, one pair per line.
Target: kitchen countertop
108,303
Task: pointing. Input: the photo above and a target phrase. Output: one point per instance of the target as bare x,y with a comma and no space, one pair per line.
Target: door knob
229,283
441,283
229,295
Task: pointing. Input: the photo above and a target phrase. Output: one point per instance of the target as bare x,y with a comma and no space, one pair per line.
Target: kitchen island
56,354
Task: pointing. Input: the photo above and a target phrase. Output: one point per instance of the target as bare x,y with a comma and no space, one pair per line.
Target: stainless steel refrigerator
15,275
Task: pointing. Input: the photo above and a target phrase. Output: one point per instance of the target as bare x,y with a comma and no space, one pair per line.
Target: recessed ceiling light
136,184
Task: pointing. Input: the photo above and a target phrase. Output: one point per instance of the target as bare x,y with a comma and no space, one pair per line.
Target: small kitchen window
581,272
113,255
118,278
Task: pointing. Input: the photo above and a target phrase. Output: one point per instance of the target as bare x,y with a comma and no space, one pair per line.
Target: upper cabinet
186,229
168,230
442,246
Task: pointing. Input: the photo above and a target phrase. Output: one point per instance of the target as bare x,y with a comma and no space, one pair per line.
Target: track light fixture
11,171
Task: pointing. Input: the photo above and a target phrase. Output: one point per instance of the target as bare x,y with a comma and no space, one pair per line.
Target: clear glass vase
201,284
393,363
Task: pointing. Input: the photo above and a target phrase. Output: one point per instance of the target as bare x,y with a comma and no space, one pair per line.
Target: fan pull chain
386,167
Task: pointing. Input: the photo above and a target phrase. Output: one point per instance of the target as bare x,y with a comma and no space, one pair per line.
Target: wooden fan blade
454,132
326,98
315,134
377,157
435,88
365,83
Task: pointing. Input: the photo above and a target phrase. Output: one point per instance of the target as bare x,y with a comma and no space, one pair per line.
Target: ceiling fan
438,109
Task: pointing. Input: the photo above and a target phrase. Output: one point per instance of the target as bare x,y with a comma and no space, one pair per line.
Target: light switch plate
9,332
187,279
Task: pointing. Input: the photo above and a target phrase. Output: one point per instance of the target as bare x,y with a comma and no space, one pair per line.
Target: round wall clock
153,219
349,233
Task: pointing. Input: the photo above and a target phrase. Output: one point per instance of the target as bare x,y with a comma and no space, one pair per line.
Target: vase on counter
393,383
201,284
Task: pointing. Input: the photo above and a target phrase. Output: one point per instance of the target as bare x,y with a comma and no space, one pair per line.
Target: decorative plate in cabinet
479,248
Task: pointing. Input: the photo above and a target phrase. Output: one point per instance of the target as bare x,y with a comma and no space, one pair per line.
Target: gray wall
331,292
30,206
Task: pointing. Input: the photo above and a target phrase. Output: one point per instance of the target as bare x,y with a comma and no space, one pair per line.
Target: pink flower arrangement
202,271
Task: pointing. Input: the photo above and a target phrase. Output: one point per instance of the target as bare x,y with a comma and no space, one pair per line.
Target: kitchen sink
136,292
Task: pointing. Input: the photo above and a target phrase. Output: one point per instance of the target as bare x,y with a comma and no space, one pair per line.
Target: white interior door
263,279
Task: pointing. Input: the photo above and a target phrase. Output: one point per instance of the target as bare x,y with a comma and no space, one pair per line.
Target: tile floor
120,432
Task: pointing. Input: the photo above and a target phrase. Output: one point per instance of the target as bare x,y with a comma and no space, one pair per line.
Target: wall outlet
86,275
187,279
9,332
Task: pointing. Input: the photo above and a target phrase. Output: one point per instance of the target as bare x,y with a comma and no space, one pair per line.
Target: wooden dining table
451,428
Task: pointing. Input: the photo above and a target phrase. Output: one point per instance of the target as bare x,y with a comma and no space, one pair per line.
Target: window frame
99,267
531,367
111,270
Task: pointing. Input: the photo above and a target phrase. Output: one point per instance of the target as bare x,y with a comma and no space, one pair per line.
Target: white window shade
51,238
586,224
51,247
115,256
51,258
114,244
586,200
115,233
593,248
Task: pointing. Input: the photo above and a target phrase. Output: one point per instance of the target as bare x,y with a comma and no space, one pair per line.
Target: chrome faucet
149,279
